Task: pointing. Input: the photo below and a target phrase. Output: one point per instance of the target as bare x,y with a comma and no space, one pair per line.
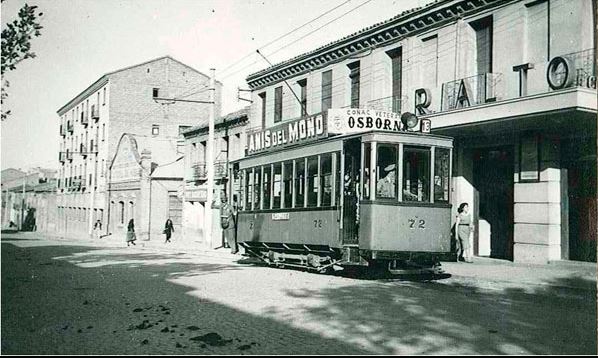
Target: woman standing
168,229
131,233
464,228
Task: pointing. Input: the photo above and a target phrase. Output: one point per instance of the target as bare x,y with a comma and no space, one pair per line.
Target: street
76,298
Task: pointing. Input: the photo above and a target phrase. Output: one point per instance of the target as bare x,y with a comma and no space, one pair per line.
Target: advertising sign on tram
358,120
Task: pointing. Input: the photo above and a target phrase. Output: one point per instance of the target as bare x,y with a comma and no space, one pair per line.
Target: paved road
76,299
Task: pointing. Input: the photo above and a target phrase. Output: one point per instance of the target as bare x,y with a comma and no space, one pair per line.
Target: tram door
351,177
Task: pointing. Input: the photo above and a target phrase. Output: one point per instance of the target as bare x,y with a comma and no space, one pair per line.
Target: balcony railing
199,171
83,150
93,146
69,126
69,155
387,104
63,130
95,112
584,66
471,91
62,157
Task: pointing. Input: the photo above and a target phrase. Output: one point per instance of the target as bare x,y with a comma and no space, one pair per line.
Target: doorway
493,178
351,179
582,209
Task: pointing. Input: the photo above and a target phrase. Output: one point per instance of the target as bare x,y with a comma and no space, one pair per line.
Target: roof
403,15
237,116
104,79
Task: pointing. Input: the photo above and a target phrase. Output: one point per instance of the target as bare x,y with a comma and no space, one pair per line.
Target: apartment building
128,100
229,145
512,81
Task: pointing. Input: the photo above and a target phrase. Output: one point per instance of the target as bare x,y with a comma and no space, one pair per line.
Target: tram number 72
417,223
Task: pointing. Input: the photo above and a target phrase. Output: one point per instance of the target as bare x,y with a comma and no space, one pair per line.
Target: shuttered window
354,76
483,36
326,90
277,104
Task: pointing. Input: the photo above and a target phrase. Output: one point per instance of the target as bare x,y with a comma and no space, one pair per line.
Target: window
263,97
441,175
277,104
538,27
155,92
367,169
131,210
326,90
430,61
386,172
312,181
354,76
483,38
326,179
104,97
416,174
303,86
299,183
267,186
248,189
103,132
155,129
396,59
277,185
121,207
256,188
288,184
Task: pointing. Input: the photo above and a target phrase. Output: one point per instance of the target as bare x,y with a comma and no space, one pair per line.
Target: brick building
93,122
512,81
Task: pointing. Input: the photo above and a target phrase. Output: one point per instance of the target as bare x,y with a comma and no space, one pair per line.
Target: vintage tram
345,187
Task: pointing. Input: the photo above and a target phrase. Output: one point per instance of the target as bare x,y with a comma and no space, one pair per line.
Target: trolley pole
210,162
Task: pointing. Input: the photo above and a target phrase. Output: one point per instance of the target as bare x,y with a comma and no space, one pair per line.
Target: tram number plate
280,216
417,224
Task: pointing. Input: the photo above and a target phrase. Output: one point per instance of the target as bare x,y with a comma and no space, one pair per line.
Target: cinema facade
513,82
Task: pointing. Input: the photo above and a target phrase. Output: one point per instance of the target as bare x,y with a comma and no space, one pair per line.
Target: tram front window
267,186
299,182
288,184
312,181
326,179
386,170
441,175
416,174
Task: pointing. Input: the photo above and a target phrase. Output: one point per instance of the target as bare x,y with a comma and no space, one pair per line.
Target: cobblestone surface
60,298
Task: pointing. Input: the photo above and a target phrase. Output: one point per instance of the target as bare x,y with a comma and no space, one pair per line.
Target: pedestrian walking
464,228
131,233
168,229
97,229
228,222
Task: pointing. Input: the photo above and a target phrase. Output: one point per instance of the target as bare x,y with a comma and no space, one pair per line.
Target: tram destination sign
358,120
288,133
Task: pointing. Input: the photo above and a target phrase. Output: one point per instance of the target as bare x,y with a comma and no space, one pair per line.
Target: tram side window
288,184
366,170
267,187
386,170
248,189
441,175
416,174
312,181
277,183
256,188
326,179
299,182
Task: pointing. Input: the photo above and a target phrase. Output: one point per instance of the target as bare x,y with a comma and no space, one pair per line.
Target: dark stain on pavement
212,339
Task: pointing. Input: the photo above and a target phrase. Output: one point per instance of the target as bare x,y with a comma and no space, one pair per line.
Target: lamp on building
409,120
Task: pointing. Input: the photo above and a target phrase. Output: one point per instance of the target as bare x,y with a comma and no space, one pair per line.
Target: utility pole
23,204
210,161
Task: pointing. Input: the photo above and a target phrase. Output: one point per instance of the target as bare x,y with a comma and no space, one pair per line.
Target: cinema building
513,82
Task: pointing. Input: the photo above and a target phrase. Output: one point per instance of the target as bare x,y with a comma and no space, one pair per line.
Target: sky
84,39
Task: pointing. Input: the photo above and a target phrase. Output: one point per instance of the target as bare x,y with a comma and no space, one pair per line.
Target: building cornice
408,23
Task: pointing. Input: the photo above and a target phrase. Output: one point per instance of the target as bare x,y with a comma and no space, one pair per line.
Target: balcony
95,112
584,68
62,157
471,91
199,171
69,155
83,150
69,126
84,118
75,183
93,146
62,130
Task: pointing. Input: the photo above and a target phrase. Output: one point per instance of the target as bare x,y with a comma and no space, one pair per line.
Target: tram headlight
409,120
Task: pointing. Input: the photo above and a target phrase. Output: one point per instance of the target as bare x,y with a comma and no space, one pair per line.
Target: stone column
143,212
